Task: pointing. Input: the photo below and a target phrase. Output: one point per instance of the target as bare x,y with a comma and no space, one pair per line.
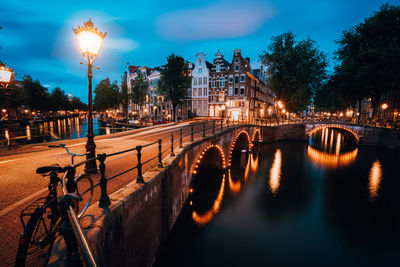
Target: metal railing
162,147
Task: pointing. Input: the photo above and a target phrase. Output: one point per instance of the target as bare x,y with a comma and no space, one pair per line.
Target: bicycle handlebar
62,145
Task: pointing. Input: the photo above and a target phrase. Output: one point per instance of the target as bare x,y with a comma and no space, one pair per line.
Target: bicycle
47,217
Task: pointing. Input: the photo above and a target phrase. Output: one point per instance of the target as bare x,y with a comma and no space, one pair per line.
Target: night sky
37,37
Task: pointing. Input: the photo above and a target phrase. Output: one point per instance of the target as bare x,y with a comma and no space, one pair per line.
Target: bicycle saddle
50,168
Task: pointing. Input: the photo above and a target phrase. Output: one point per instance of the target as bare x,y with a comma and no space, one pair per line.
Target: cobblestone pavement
20,185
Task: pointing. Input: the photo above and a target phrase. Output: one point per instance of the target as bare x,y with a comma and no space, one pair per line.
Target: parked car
133,121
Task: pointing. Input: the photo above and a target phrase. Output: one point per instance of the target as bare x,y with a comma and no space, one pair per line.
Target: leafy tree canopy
107,95
140,89
174,81
370,54
296,69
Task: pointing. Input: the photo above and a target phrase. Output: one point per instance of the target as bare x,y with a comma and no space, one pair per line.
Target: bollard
221,125
159,154
204,129
213,126
191,135
139,178
104,201
180,138
172,145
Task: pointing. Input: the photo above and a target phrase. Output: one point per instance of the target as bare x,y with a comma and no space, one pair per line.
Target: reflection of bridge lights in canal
202,219
253,163
234,187
375,177
275,173
328,160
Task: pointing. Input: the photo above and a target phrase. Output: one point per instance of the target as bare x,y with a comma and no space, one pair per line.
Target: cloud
217,21
120,44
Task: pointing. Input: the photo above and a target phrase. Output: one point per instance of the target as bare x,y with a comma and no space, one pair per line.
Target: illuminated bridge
141,215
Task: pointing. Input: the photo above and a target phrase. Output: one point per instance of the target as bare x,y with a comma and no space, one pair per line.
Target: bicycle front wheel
84,192
36,243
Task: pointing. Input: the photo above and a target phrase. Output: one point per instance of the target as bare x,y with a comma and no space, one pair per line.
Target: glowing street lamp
90,41
384,106
5,79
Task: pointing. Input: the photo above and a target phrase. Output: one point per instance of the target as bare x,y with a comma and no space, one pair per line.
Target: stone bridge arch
354,131
256,136
239,137
212,156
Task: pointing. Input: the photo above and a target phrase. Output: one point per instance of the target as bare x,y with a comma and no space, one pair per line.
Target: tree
107,95
59,100
174,81
140,90
35,96
296,70
370,54
76,103
125,95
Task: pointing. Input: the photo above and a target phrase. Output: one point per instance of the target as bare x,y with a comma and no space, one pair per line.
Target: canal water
322,203
69,128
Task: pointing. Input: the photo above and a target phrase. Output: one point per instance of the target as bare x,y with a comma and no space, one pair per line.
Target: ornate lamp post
5,79
90,41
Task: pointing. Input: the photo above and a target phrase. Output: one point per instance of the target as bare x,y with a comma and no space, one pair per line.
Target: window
194,91
237,60
242,90
213,83
242,77
218,68
200,81
237,68
200,92
200,70
237,79
230,78
205,91
195,81
236,90
230,91
221,96
222,81
204,80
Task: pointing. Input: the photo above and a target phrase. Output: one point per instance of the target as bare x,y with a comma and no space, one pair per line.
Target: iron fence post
180,138
204,129
159,154
172,145
104,201
221,125
191,135
139,178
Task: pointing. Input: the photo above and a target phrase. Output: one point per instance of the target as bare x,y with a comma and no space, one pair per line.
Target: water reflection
275,173
234,187
202,219
28,132
375,177
342,151
332,161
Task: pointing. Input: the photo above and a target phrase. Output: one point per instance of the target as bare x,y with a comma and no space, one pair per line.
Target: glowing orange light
275,173
375,177
331,160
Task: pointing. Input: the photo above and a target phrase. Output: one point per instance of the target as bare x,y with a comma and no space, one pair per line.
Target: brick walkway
19,185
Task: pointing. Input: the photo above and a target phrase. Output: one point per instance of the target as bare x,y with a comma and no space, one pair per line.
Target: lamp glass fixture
89,39
5,74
